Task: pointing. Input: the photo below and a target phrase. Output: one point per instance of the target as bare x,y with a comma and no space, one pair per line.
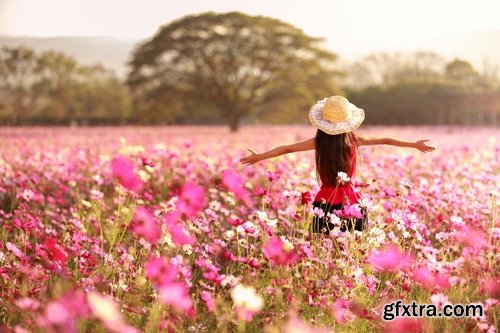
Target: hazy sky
348,25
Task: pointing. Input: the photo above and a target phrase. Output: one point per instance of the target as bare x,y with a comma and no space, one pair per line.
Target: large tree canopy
233,65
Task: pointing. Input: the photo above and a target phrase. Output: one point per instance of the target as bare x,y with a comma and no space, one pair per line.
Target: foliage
235,65
52,87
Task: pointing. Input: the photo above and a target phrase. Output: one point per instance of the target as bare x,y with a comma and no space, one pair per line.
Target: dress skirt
323,225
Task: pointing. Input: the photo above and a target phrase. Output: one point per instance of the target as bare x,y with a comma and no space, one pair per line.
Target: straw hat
336,115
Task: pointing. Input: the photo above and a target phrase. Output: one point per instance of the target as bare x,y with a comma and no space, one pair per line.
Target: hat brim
316,119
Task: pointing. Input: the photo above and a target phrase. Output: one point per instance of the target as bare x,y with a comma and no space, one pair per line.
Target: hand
250,159
420,145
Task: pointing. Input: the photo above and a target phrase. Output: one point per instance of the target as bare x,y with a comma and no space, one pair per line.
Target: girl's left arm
281,150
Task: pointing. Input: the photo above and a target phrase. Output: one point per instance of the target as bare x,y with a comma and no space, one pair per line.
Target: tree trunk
234,123
233,119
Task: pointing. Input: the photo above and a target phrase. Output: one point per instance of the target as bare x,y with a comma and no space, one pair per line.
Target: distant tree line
422,88
237,69
53,88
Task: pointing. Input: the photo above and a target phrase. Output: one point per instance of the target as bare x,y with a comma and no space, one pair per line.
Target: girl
335,148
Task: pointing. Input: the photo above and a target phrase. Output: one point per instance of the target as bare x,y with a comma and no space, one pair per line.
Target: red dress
341,193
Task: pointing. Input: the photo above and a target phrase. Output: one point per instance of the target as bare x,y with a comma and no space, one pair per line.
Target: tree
391,68
16,80
237,64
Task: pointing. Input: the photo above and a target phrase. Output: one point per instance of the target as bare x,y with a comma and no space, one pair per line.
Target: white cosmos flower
334,219
365,202
377,234
318,212
247,298
342,177
287,245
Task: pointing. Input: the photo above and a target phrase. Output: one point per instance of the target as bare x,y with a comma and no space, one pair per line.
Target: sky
347,25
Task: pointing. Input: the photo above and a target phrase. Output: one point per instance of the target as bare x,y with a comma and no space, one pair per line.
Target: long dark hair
332,155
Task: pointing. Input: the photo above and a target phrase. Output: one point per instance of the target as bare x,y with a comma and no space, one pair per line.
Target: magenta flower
147,162
163,275
491,286
352,211
176,295
208,299
234,183
56,251
122,169
341,308
26,303
279,252
145,225
160,272
389,259
180,236
192,199
404,325
295,325
472,238
439,300
61,315
430,280
272,176
346,310
424,276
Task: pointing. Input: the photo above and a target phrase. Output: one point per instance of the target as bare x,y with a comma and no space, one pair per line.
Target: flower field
163,230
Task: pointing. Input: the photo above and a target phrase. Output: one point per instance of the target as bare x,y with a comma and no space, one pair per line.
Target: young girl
335,148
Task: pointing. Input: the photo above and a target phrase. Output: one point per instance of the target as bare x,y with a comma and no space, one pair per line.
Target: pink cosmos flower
56,315
192,199
56,251
342,313
14,249
61,315
439,300
272,176
122,169
352,211
234,183
106,310
180,236
346,310
492,287
295,325
28,223
27,303
209,300
430,280
389,259
279,253
145,225
176,295
235,222
160,272
472,238
147,162
404,325
261,191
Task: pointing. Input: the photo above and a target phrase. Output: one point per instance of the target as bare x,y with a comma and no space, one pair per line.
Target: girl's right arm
368,140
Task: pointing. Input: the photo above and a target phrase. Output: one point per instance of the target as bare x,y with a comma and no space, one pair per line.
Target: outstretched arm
420,144
281,150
